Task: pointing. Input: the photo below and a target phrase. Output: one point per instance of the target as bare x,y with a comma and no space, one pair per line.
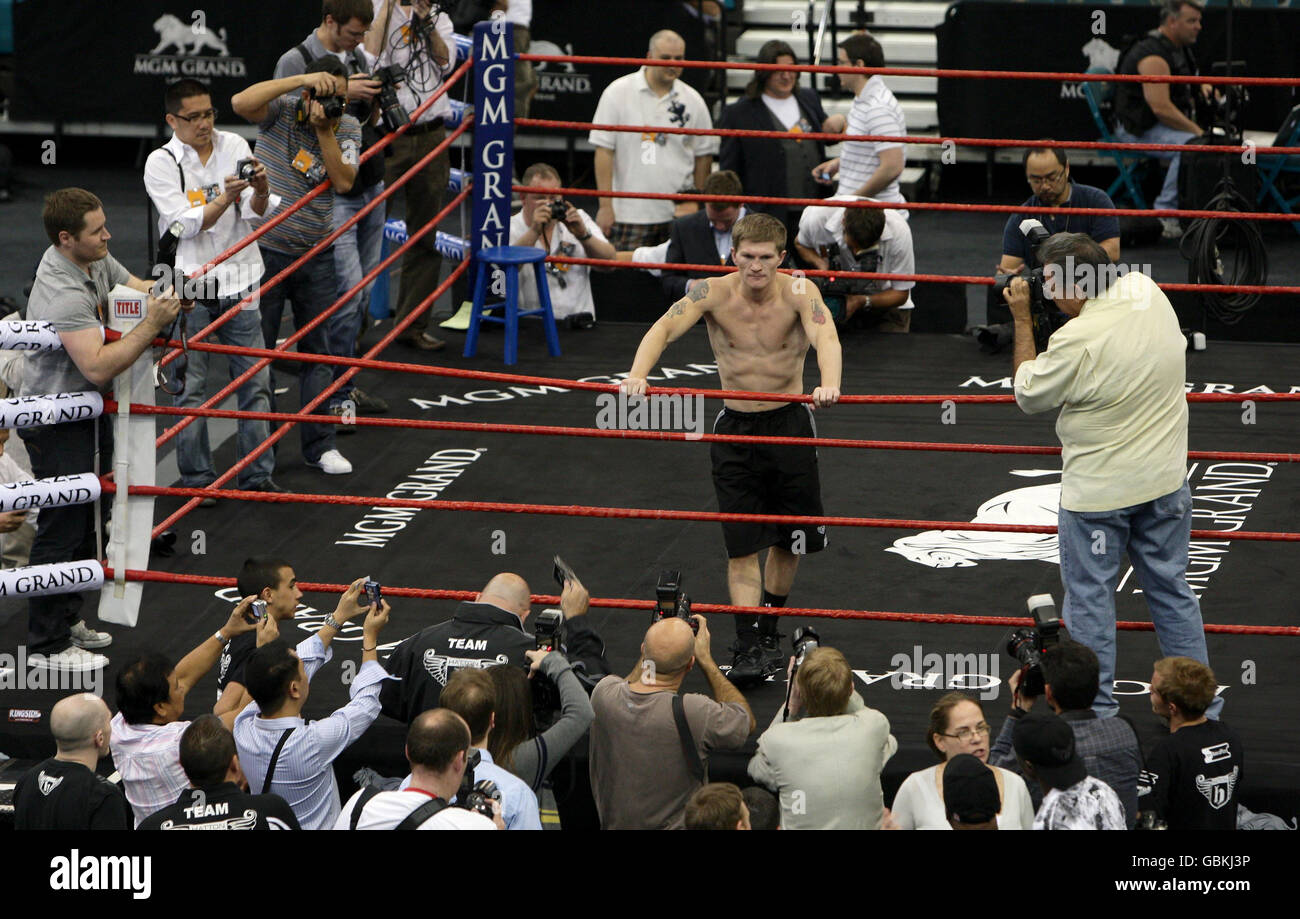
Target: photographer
437,747
875,240
825,762
301,144
274,582
1108,747
194,179
1161,113
343,26
423,47
471,694
482,633
280,751
1117,371
558,228
151,700
648,743
218,797
516,743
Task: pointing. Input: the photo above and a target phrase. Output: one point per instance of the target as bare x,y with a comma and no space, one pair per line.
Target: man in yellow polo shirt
1117,371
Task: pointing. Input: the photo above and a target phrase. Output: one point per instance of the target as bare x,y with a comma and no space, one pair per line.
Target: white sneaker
73,660
83,636
332,462
1170,228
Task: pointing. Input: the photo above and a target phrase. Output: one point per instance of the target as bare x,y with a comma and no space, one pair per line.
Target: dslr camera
333,105
1045,318
836,290
1028,645
390,109
546,695
671,601
476,796
558,209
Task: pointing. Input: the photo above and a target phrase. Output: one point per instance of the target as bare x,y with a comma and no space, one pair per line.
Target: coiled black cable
1205,244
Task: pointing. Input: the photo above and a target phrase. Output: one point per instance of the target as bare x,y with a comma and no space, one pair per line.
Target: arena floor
1239,582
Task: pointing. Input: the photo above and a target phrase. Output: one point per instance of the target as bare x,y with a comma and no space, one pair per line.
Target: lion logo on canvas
189,50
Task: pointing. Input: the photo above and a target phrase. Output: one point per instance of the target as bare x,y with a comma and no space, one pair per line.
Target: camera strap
693,762
366,794
275,758
422,813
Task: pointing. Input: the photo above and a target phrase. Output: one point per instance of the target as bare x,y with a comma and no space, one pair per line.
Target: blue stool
510,258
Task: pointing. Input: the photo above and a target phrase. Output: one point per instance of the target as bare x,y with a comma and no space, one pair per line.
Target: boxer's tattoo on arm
699,292
818,315
676,309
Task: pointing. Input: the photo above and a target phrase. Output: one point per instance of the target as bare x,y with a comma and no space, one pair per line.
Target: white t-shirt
570,285
786,110
389,808
520,12
428,76
1119,369
874,111
822,225
651,162
917,806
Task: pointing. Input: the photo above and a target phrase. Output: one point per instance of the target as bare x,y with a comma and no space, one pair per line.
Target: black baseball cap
1047,741
970,790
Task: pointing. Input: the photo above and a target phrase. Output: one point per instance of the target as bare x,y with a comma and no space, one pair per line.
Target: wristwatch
333,623
221,638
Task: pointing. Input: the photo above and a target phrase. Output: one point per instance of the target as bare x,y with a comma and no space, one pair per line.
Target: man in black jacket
703,238
217,798
778,167
484,633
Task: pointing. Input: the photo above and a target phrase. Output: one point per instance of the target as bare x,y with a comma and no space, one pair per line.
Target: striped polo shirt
874,111
280,138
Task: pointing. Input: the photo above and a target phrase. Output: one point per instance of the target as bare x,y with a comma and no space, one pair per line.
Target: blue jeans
311,290
193,453
356,253
1160,134
1156,535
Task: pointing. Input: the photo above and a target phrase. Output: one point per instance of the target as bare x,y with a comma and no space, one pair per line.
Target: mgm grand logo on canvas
189,49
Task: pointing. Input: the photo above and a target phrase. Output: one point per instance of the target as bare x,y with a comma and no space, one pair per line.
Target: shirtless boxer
760,326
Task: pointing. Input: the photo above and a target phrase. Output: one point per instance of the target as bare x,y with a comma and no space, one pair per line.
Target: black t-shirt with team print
223,807
1192,777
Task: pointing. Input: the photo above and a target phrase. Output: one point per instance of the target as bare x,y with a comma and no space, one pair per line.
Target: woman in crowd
957,725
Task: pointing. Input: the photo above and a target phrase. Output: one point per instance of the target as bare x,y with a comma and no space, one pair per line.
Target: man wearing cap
970,794
1072,799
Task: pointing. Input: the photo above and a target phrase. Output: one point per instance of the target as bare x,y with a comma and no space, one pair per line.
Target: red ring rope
167,577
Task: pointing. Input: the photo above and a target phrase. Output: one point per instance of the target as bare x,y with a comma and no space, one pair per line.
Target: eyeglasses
209,115
1050,179
965,734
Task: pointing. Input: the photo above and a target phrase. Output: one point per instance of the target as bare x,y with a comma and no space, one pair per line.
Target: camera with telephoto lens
1044,317
671,601
546,695
476,796
1029,644
390,109
246,169
836,290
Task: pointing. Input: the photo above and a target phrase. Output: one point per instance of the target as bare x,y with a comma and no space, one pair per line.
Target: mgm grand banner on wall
109,62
